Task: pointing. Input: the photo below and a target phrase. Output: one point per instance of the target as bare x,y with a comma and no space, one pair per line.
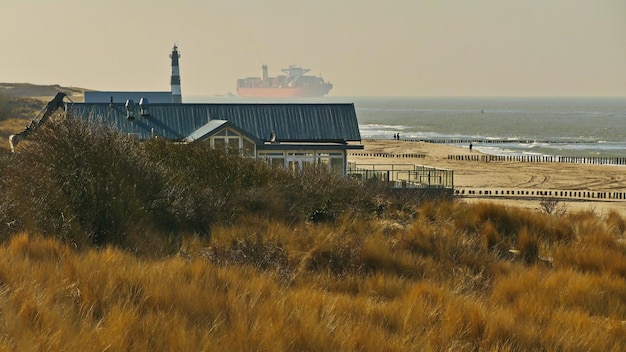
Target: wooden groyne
540,159
540,193
390,155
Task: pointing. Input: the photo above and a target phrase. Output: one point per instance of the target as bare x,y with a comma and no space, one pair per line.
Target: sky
365,47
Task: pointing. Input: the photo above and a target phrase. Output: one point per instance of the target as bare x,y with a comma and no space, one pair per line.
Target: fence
541,159
403,175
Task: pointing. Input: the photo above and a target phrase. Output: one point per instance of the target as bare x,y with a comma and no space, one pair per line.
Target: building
121,97
286,135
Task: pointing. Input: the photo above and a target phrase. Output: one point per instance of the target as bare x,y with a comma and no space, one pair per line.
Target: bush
85,183
90,185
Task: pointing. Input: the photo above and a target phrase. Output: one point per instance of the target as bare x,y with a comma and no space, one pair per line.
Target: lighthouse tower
177,96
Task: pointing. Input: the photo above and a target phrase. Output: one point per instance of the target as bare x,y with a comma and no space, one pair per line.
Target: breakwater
390,155
540,159
540,194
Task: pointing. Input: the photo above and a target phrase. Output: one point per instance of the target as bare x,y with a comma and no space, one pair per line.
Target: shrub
91,185
86,183
552,205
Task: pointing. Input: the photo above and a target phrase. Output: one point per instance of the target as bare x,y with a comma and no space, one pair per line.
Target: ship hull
289,92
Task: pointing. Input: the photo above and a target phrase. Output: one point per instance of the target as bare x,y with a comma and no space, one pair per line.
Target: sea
557,126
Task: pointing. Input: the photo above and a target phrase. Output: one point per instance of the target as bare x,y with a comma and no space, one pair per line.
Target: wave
502,145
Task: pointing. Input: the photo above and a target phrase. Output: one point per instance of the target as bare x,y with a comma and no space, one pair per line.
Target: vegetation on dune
15,113
38,91
114,244
90,185
12,107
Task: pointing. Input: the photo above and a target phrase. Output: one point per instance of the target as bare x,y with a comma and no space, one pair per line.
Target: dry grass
7,128
429,284
116,245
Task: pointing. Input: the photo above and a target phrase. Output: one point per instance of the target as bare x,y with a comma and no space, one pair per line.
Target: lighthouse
177,96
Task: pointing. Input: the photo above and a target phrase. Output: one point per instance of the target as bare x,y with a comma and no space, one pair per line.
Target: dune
42,92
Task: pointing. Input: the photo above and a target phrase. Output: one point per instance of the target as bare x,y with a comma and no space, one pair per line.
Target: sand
511,176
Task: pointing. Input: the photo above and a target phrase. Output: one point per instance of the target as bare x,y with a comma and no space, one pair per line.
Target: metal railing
403,175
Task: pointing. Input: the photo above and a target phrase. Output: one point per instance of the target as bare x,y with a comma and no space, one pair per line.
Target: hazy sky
365,47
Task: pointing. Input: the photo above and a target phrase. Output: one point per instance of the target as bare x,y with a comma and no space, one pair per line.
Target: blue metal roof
290,122
121,97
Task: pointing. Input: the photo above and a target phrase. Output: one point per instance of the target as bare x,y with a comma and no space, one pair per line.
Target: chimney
130,109
177,97
144,107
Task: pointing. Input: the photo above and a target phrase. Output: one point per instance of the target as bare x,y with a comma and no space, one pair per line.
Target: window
248,147
297,160
219,143
229,140
300,155
233,144
277,162
336,165
334,161
276,159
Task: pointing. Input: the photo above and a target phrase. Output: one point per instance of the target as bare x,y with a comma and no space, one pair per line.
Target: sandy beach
509,176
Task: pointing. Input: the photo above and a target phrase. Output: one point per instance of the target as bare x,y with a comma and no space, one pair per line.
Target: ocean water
563,126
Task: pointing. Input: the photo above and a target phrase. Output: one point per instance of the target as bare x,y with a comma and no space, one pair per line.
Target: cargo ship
293,84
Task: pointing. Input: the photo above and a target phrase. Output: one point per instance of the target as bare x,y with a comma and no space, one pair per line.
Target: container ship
293,84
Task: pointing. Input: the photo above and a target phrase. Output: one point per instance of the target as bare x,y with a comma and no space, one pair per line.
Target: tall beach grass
112,244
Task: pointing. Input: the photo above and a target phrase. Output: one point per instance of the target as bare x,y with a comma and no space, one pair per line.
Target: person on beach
470,147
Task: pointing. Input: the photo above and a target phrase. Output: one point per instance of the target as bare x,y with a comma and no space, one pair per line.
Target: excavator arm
52,106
